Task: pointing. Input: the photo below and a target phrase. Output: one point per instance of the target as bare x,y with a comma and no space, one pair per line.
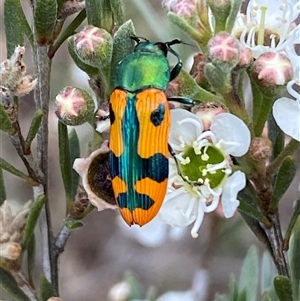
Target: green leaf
249,275
74,154
69,31
34,127
248,204
268,271
221,298
234,10
117,8
10,285
46,289
31,259
286,174
283,288
294,260
5,123
14,29
122,46
135,286
219,80
72,223
99,13
45,14
2,188
257,101
276,136
292,223
8,167
32,218
65,160
233,288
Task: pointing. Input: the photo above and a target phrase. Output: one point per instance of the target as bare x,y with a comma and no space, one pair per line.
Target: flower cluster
201,172
11,232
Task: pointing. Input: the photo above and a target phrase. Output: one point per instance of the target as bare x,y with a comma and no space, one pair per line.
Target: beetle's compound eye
163,47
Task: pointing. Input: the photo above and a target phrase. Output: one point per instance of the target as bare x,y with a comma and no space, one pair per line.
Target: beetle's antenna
138,39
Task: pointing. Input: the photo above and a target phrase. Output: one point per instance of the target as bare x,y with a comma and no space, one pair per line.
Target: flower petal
286,112
234,183
187,131
233,133
150,235
179,208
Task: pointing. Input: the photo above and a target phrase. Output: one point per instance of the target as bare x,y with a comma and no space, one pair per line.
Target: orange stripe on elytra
119,186
127,216
156,191
152,139
118,104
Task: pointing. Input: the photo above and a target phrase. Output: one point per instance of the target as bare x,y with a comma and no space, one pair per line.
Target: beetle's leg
183,100
176,161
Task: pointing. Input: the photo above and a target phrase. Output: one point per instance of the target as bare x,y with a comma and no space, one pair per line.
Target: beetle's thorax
146,67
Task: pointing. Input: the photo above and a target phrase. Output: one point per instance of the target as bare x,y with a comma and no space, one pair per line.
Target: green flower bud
94,46
74,106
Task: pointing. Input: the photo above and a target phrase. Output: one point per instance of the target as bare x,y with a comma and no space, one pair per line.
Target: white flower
203,158
268,25
153,234
286,111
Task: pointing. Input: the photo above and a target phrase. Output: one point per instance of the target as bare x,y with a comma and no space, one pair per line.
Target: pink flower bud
182,8
224,51
74,106
94,46
272,69
246,57
206,112
197,70
260,148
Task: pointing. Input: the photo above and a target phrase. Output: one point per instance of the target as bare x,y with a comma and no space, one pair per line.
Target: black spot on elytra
157,116
111,114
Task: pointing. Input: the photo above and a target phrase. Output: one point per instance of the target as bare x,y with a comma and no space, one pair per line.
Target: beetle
140,125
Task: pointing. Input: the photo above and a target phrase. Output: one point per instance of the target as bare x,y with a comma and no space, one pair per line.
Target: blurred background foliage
98,255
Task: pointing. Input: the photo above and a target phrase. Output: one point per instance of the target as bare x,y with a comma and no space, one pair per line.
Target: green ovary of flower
200,167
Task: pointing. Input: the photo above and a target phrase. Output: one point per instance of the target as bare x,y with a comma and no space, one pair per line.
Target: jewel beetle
140,125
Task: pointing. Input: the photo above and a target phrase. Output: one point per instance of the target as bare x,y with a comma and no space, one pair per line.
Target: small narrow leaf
10,285
122,45
294,260
233,288
276,136
8,167
74,154
117,7
5,123
249,275
93,12
32,218
234,10
34,127
292,223
72,223
31,259
65,159
46,289
285,175
69,31
283,288
14,29
45,14
2,188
